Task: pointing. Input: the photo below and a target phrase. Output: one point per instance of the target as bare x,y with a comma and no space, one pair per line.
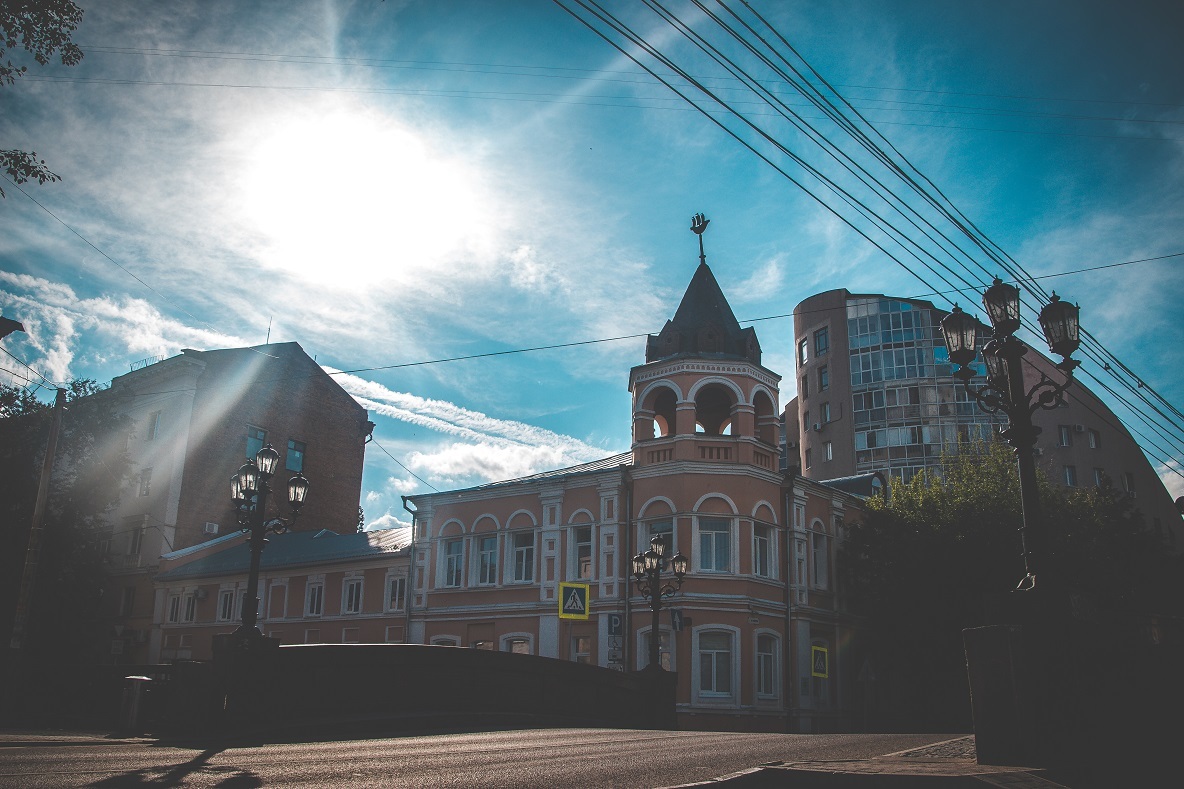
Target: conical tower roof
704,326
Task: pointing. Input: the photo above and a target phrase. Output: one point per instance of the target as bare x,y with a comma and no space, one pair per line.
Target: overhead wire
939,201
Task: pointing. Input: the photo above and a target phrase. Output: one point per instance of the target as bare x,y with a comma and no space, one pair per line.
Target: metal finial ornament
699,223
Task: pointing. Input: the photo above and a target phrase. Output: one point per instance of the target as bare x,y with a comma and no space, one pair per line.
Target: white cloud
387,520
485,461
55,316
765,282
451,419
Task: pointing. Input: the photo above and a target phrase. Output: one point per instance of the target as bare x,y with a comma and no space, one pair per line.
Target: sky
392,184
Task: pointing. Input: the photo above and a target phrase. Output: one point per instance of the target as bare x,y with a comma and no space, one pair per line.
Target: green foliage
42,28
90,467
941,553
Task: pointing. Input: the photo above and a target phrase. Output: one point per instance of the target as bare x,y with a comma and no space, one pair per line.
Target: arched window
713,409
819,555
767,674
766,419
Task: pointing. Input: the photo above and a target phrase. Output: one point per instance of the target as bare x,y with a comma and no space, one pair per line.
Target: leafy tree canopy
90,467
941,553
43,28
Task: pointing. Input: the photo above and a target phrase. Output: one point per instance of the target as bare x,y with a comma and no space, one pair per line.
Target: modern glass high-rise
875,393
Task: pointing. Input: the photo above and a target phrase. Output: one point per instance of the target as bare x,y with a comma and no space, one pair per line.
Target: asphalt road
566,758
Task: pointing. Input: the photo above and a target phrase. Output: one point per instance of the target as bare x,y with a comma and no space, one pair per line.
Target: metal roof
295,549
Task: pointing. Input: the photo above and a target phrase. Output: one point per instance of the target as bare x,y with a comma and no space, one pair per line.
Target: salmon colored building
757,633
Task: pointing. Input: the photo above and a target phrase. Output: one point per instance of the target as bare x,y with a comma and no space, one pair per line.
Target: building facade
315,587
757,635
196,417
876,394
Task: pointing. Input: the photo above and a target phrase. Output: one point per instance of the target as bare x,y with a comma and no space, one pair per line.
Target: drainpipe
627,632
410,573
786,564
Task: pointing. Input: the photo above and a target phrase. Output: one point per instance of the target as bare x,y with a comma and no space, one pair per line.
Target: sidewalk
56,737
946,764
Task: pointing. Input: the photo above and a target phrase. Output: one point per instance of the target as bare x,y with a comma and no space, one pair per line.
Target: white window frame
314,591
396,592
770,550
173,611
645,534
773,692
575,654
348,583
153,429
189,607
720,537
445,641
819,555
226,605
452,565
491,555
509,639
351,635
715,697
576,545
522,557
667,652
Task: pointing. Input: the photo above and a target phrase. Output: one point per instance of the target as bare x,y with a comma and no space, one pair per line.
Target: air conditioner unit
210,528
1078,428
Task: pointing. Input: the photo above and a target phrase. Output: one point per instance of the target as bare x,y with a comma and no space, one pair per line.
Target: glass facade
905,405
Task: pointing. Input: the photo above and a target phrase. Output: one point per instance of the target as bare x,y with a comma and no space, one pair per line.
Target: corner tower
702,394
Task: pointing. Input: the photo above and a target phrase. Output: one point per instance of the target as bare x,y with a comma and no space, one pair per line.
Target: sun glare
353,198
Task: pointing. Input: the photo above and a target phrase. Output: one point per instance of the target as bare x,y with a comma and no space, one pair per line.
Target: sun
352,197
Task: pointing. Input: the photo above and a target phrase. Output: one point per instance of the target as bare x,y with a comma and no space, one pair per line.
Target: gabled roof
294,549
704,325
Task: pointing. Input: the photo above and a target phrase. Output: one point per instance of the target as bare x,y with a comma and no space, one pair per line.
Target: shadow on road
236,778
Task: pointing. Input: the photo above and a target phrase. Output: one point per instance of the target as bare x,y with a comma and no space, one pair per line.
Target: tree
42,28
89,469
941,553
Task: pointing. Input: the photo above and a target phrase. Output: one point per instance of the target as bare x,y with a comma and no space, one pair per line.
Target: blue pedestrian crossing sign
819,662
573,600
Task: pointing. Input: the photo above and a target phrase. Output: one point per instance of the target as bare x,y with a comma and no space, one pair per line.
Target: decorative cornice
662,369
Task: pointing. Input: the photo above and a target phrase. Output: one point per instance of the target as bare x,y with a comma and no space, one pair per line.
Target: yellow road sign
573,600
819,662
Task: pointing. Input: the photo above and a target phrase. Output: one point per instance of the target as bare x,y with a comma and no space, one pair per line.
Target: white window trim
314,581
223,593
773,554
511,577
442,568
497,555
504,642
642,654
386,584
360,580
733,543
435,640
778,652
643,534
573,558
818,530
698,697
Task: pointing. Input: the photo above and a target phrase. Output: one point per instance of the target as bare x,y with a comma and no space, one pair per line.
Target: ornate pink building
758,632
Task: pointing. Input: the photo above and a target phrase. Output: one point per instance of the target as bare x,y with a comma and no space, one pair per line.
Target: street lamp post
249,490
1005,390
647,570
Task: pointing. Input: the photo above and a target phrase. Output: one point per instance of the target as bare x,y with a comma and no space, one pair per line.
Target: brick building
315,587
196,418
760,639
876,394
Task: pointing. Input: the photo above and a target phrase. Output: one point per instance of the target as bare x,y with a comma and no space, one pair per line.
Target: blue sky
401,182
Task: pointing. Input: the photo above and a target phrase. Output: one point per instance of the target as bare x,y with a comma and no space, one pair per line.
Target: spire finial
699,223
